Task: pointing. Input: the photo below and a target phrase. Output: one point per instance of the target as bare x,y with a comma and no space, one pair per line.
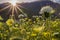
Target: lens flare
13,2
13,7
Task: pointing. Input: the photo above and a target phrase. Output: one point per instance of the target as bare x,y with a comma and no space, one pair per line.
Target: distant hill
30,9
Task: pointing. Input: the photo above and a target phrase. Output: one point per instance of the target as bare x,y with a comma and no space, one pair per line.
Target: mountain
30,9
56,1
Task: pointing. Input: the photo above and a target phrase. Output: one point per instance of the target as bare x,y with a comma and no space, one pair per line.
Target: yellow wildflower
33,34
52,11
53,39
15,37
1,18
16,25
55,23
5,35
7,31
26,18
1,34
9,22
28,32
1,24
29,20
46,33
38,29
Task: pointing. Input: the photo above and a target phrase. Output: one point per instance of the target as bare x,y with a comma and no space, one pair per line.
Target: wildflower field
27,29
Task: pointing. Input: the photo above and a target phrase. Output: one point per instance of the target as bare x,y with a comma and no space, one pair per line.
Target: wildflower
26,18
52,11
16,25
1,34
1,18
33,34
37,18
53,39
10,22
29,20
15,28
15,38
28,32
47,11
7,31
38,29
1,24
5,34
34,21
46,33
55,23
22,31
21,15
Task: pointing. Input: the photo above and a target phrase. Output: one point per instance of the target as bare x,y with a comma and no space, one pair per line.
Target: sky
1,1
57,1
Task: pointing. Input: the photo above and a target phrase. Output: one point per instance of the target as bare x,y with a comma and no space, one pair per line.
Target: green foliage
1,18
26,29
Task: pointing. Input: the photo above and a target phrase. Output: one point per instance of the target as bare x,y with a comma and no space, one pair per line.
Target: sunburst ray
9,10
12,11
21,11
22,7
5,8
16,10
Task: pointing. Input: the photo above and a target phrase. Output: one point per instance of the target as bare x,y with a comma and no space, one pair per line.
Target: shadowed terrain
31,9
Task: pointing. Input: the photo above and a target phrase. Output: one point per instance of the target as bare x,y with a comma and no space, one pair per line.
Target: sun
13,7
13,2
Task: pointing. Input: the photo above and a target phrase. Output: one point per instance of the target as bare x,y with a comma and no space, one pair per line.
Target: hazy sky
18,0
57,1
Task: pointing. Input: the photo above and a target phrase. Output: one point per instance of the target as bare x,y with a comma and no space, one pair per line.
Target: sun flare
13,2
